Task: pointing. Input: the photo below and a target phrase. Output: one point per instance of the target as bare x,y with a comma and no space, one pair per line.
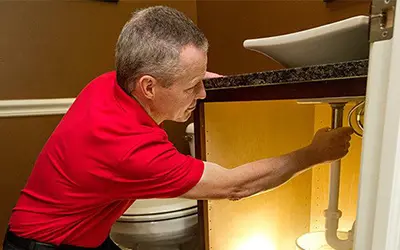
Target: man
110,150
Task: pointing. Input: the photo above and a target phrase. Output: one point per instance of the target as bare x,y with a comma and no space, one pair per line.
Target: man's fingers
325,129
345,130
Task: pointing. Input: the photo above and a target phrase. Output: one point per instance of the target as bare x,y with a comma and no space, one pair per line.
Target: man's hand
212,75
330,145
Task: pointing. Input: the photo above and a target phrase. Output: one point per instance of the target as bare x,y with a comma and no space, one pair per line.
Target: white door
378,215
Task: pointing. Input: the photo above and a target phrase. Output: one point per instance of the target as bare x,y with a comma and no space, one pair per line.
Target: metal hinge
382,20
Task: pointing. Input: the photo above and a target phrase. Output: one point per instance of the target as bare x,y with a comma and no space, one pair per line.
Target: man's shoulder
107,78
97,88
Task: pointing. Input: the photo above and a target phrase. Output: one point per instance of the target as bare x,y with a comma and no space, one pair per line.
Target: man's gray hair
150,43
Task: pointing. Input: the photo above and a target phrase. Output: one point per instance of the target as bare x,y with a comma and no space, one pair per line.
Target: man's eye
189,90
192,88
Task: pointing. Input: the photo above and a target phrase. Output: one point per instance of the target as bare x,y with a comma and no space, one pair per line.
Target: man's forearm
269,173
255,177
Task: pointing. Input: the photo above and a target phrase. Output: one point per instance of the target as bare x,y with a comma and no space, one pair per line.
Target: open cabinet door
378,215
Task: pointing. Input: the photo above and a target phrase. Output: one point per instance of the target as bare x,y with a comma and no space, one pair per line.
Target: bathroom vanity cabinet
252,116
249,117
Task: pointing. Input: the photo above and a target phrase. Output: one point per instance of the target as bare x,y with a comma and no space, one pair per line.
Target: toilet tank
190,138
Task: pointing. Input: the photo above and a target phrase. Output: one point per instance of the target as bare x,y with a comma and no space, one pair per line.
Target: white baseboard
34,107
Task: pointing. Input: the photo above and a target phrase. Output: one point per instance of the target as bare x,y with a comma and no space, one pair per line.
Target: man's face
177,102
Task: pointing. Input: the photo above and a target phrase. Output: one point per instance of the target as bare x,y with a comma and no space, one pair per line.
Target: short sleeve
154,168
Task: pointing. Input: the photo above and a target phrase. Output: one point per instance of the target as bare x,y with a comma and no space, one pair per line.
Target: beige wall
52,49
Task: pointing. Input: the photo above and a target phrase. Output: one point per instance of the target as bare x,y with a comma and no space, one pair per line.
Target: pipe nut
333,214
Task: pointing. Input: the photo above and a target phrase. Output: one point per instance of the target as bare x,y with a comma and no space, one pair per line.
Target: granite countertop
315,73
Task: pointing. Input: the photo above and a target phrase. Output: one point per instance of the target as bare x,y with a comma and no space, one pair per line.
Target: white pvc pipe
333,214
334,182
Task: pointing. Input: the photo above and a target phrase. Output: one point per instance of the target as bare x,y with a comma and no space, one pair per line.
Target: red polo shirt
105,153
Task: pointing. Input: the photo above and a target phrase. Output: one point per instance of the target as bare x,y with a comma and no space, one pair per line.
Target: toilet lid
159,209
158,217
156,206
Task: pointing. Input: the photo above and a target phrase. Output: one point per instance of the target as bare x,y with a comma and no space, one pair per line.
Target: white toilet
159,224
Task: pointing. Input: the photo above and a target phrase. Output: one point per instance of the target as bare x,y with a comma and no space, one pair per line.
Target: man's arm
254,177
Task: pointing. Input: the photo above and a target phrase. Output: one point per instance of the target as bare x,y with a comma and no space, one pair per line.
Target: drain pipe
333,214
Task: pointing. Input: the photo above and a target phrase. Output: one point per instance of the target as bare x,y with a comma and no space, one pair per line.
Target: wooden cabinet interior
240,132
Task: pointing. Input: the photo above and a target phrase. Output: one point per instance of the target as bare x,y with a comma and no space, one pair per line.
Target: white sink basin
345,40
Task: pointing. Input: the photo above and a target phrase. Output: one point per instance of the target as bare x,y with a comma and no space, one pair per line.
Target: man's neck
156,118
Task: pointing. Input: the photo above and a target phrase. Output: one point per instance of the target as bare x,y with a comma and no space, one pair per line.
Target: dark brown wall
21,141
52,49
228,23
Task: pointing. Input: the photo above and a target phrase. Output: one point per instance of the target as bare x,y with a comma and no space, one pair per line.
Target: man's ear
146,84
